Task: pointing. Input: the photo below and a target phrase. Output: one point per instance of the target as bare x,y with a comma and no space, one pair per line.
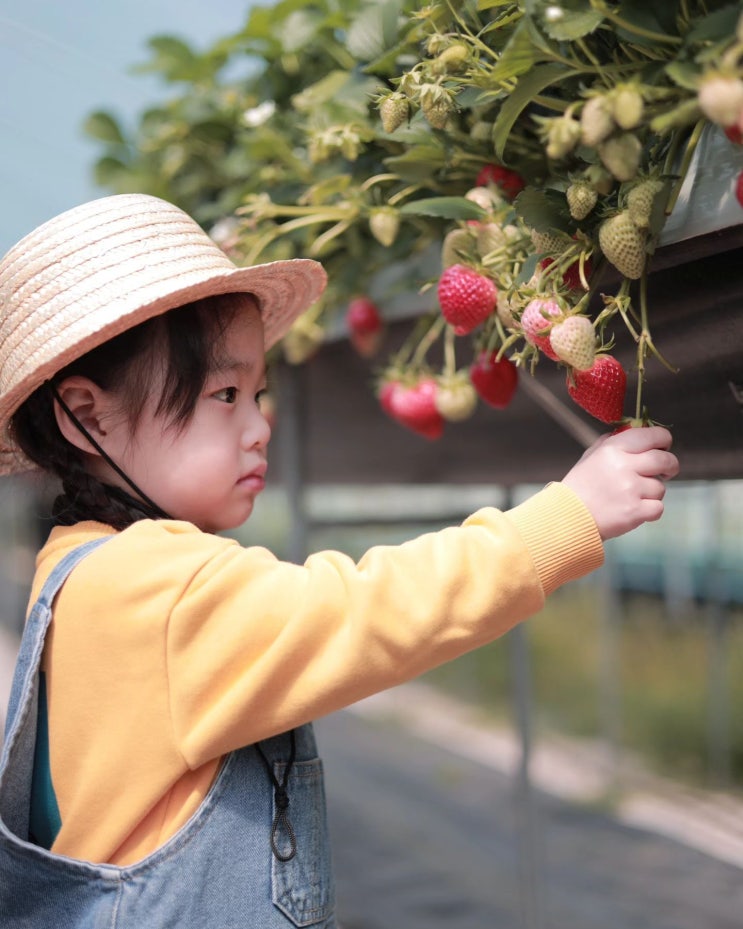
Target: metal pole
531,869
718,682
610,695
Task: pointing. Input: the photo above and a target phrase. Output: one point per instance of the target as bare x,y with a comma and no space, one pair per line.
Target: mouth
255,479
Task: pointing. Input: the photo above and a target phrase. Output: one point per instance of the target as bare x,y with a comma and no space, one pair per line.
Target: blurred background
587,769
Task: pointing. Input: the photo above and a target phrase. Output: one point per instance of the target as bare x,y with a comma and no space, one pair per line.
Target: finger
657,463
652,489
641,439
650,510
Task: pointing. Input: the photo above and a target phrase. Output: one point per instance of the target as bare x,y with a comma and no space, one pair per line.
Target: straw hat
103,267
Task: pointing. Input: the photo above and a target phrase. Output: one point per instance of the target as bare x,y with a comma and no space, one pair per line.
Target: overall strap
32,642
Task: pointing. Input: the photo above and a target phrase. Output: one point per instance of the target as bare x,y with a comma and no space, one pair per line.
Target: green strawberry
436,104
393,111
452,59
623,244
581,197
640,201
384,222
549,243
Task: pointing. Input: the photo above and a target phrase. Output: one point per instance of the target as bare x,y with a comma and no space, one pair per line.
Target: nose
256,430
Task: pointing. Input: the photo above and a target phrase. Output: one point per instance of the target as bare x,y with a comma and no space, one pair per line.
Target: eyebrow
233,364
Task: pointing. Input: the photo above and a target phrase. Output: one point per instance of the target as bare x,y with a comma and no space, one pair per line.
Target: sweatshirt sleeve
255,646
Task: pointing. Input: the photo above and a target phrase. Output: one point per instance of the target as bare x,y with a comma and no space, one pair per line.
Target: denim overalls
218,872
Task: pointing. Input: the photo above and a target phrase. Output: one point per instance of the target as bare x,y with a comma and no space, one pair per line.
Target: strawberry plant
512,156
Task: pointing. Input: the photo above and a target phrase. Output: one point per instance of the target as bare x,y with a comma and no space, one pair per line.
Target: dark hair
183,344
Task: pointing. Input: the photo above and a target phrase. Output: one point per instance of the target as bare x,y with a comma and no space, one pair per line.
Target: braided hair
183,344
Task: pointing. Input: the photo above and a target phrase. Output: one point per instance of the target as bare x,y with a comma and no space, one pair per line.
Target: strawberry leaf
528,87
574,25
543,209
444,207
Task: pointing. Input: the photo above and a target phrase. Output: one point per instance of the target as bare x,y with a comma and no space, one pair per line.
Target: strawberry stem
450,359
427,341
402,356
633,28
642,346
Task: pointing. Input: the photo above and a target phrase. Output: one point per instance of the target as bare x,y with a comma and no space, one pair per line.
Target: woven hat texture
101,268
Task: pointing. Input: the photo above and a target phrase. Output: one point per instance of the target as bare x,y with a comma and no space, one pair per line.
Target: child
159,766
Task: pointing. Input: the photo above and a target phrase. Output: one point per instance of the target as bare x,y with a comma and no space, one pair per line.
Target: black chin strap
161,514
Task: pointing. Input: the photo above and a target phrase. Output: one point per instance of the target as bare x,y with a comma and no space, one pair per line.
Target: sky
60,61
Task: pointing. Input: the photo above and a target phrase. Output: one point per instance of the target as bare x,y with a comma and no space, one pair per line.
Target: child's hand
620,478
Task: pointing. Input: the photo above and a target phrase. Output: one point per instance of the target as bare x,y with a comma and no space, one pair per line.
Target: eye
226,394
261,396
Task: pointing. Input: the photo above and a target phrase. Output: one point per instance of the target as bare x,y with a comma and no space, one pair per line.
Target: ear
89,404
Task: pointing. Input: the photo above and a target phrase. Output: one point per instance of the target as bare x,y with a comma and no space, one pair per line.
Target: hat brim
282,289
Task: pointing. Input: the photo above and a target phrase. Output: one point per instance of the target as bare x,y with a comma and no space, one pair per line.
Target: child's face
210,471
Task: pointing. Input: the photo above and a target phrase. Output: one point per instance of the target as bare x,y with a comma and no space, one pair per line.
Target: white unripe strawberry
393,111
485,197
456,398
574,342
504,311
384,223
549,243
627,106
458,247
581,197
640,201
623,244
721,98
489,237
436,104
621,154
564,134
596,121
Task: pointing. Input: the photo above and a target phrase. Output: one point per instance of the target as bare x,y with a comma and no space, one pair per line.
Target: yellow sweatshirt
170,647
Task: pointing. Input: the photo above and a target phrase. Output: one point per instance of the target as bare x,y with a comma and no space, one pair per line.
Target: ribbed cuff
561,535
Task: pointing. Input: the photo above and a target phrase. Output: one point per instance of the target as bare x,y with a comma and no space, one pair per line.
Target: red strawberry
385,394
495,381
739,188
415,407
536,323
365,326
508,182
466,297
571,277
600,390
